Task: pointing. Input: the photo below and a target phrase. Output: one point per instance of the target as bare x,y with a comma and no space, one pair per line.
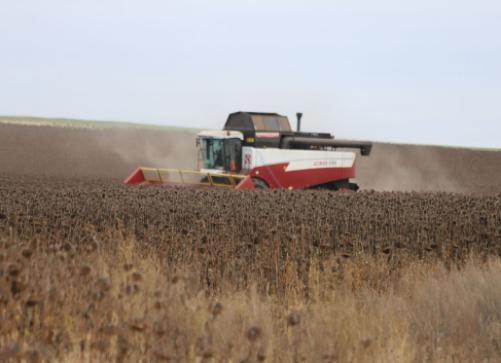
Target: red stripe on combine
276,176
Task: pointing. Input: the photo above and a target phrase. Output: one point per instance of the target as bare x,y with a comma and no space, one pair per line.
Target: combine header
260,150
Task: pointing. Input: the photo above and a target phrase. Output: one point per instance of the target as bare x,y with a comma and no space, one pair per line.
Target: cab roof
257,121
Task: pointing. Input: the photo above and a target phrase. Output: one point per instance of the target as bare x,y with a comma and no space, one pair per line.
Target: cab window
212,152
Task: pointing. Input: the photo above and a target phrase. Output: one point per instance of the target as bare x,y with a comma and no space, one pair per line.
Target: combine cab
260,150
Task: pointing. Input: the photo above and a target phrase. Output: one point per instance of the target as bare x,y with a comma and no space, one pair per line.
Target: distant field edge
87,124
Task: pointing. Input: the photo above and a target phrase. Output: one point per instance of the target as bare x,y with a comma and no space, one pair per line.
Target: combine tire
340,186
350,187
259,183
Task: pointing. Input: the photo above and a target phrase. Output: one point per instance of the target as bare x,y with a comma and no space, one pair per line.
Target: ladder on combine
144,175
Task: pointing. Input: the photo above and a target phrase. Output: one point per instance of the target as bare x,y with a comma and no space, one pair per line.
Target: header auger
260,150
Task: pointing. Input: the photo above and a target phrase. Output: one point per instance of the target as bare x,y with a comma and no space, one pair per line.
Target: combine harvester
260,150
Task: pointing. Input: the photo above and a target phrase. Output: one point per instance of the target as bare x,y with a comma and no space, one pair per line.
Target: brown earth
114,153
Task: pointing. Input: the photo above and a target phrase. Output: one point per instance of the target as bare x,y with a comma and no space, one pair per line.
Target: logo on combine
325,164
268,135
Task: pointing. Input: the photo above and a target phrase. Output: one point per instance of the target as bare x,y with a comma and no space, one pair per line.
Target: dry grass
122,303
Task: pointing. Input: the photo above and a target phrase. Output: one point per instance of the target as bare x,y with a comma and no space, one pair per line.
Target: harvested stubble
91,270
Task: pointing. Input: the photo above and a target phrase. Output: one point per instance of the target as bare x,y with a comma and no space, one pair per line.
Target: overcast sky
425,71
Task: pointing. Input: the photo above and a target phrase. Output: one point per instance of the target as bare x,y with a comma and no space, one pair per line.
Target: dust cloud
153,149
108,153
407,168
394,167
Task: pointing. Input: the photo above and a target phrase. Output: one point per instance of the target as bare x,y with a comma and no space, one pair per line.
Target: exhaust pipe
299,116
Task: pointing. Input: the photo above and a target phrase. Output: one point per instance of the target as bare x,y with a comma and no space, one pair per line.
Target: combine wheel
259,183
343,186
348,188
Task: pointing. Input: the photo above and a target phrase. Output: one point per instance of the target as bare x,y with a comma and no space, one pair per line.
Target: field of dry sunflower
93,271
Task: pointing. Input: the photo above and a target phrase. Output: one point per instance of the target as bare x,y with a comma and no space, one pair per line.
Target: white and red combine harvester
260,150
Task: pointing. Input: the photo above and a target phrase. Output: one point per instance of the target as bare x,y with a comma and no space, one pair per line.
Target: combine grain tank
260,150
